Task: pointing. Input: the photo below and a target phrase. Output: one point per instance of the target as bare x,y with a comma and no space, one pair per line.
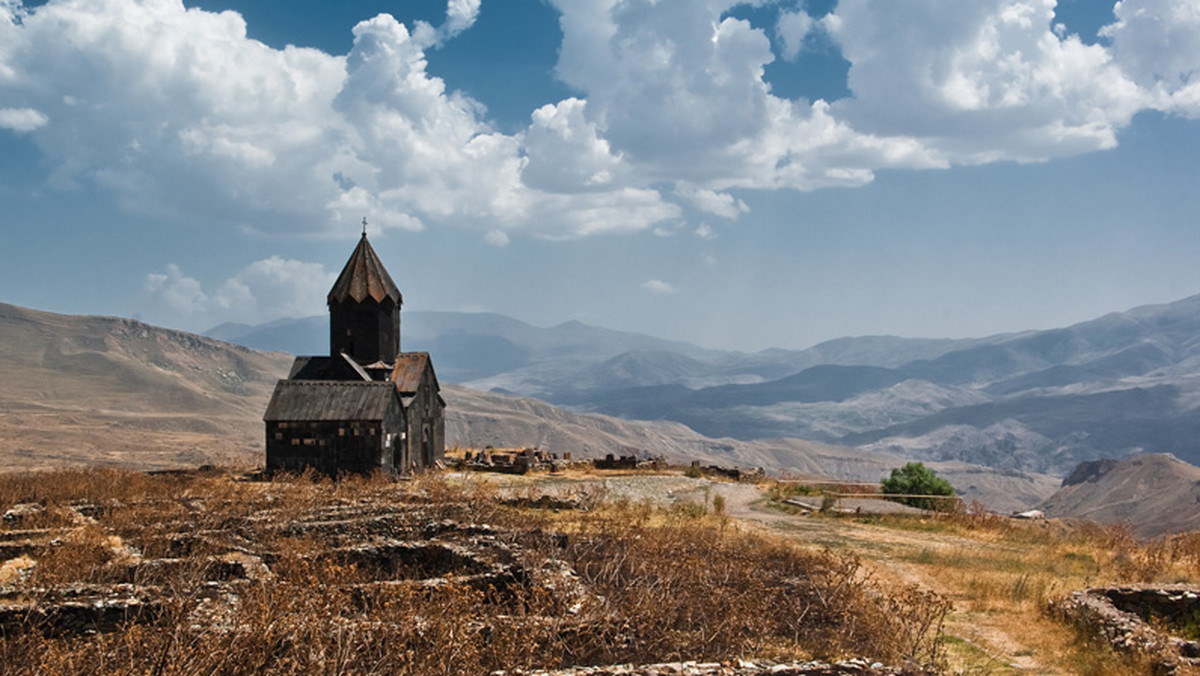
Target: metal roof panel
410,366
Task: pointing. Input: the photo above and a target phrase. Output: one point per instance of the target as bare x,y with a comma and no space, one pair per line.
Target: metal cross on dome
364,226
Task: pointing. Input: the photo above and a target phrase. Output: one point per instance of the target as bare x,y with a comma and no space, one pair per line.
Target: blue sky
740,175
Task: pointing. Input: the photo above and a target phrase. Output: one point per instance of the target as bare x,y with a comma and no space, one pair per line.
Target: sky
740,175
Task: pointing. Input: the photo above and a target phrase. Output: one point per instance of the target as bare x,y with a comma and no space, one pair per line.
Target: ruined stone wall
1157,621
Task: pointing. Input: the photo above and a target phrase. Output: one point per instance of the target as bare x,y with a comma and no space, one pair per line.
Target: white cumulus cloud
180,115
977,82
1157,42
179,292
792,27
565,151
658,287
711,201
461,15
266,289
496,238
21,119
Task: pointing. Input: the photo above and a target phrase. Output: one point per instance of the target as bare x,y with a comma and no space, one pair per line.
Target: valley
1032,401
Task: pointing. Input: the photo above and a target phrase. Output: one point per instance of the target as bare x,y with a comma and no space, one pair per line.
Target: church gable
340,367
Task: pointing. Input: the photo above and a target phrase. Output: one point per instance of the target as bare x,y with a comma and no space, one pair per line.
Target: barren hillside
1154,494
102,390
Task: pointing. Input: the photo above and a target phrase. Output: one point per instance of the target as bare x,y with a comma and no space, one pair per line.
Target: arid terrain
115,392
1033,401
111,571
998,574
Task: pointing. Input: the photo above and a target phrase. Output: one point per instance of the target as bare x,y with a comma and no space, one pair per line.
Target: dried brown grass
1002,573
659,585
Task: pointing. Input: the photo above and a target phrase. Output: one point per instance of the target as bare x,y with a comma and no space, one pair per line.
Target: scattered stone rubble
529,460
738,668
20,512
1139,619
395,544
736,473
79,609
629,461
413,544
520,462
409,544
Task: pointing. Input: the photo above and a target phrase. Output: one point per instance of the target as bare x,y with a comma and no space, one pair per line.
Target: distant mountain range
102,390
111,391
1040,401
494,352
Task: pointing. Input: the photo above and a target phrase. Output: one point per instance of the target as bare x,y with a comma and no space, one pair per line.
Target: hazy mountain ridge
1110,387
490,351
1120,384
96,390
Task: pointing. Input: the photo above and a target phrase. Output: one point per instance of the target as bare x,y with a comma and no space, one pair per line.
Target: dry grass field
997,574
113,571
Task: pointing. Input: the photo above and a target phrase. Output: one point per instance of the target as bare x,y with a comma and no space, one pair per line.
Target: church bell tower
364,309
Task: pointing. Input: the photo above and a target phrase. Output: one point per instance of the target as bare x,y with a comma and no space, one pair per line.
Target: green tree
916,479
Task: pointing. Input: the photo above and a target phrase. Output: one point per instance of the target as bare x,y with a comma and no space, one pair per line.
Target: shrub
915,479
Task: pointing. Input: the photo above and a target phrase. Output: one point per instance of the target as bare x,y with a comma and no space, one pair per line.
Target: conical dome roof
364,277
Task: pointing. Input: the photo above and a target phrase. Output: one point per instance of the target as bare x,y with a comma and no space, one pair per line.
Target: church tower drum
364,309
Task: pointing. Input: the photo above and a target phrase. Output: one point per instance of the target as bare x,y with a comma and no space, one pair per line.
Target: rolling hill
102,390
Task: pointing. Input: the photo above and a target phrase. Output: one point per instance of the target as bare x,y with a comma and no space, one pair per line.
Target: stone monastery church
367,406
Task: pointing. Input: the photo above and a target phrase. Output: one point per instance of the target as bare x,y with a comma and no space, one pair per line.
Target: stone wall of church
330,447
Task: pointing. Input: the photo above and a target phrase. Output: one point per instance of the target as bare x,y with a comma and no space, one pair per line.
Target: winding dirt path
987,634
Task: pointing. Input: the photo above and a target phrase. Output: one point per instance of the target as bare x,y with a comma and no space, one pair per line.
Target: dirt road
996,625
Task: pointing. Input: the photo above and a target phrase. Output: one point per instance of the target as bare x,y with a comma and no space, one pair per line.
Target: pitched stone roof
329,400
364,277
